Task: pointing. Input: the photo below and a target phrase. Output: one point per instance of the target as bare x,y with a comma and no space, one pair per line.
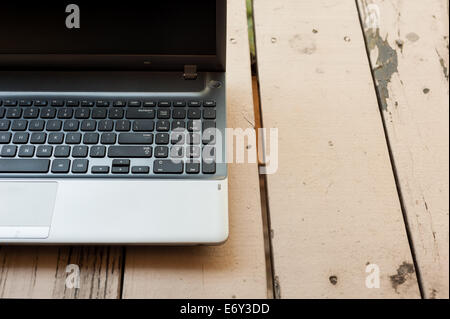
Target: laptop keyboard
107,137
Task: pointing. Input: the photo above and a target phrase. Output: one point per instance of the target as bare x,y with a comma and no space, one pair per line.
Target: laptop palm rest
26,209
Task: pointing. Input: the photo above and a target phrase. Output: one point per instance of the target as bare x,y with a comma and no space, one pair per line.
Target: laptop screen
131,27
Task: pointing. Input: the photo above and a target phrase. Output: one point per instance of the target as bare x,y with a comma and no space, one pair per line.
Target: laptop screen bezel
126,61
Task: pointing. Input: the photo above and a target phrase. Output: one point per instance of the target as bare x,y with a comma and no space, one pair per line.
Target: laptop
112,122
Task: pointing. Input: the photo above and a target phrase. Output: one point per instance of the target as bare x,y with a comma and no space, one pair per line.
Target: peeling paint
443,66
404,272
386,64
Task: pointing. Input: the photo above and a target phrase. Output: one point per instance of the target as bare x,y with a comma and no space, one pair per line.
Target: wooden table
358,91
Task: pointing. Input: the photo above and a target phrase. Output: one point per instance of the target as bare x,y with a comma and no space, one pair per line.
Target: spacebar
24,165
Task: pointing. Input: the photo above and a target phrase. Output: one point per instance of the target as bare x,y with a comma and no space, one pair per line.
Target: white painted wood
416,113
333,202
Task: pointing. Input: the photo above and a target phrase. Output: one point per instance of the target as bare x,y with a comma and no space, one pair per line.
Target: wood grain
333,202
413,88
236,269
40,272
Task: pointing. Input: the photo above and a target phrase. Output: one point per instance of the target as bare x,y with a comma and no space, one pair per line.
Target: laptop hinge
190,72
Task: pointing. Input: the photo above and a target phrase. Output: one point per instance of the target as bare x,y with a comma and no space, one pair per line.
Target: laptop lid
124,35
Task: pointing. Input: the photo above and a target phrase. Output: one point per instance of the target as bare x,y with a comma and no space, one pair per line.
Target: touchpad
26,209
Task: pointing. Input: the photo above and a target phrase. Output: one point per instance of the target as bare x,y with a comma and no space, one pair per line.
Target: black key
140,170
143,126
178,125
121,162
161,151
14,113
80,166
209,153
91,138
9,151
48,113
208,168
116,113
102,103
162,138
209,132
179,114
65,113
164,104
100,169
19,125
119,103
80,151
134,103
25,103
31,113
177,138
24,165
72,103
10,103
38,138
37,125
99,114
177,151
60,166
130,151
40,103
194,103
5,138
194,125
136,138
87,103
168,167
108,138
163,126
2,112
179,103
26,151
57,103
44,151
71,125
21,138
4,125
142,113
62,151
194,114
55,138
73,138
105,125
123,126
164,113
82,113
149,104
209,114
209,103
192,167
98,151
88,125
120,169
193,151
54,125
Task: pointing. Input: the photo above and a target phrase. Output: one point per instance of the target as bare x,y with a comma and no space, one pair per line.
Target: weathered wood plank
408,43
333,202
236,269
40,272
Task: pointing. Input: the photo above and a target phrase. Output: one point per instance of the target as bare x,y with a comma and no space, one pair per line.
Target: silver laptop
112,122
